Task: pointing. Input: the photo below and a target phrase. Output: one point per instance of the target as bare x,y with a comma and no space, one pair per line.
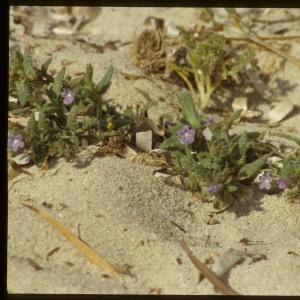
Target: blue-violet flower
213,188
187,135
68,96
101,123
282,183
210,120
16,142
265,181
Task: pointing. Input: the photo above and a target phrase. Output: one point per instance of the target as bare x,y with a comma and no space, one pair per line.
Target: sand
127,215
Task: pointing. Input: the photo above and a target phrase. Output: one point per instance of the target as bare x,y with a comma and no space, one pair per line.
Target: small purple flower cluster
266,182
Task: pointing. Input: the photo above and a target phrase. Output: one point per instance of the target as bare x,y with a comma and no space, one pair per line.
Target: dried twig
82,247
289,58
214,279
289,37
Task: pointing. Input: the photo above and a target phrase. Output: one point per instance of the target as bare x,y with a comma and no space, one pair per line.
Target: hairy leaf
46,65
89,74
188,108
104,84
251,169
58,82
28,67
23,93
71,120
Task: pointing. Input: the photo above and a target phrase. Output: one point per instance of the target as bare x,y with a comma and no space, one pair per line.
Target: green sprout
209,62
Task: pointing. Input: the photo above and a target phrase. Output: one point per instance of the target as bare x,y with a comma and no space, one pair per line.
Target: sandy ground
126,214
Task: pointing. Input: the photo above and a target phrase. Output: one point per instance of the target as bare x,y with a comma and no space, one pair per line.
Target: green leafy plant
64,113
208,63
219,163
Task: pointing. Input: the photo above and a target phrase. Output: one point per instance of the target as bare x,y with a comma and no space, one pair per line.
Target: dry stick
81,246
289,37
218,284
275,50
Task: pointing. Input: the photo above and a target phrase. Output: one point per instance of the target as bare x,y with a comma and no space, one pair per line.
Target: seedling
208,63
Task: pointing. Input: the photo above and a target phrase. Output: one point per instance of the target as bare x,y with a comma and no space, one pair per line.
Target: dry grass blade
218,284
275,50
82,247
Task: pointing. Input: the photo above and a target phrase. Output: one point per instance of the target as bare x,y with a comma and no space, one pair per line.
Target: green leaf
243,148
71,121
31,127
46,65
59,81
89,122
89,73
23,93
234,116
43,122
251,169
28,67
188,108
171,142
231,188
104,84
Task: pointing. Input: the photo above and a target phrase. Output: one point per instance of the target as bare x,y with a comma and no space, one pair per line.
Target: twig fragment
82,247
218,284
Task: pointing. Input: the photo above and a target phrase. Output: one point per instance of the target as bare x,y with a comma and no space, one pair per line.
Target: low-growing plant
65,113
217,163
208,63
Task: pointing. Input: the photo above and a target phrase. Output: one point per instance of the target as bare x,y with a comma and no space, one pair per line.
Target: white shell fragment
280,111
172,30
275,160
250,114
159,151
226,261
207,134
21,159
12,99
36,115
144,140
242,103
159,174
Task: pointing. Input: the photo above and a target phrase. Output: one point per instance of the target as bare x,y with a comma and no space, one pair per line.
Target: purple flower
187,135
265,181
101,123
15,142
282,183
213,188
68,96
210,120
